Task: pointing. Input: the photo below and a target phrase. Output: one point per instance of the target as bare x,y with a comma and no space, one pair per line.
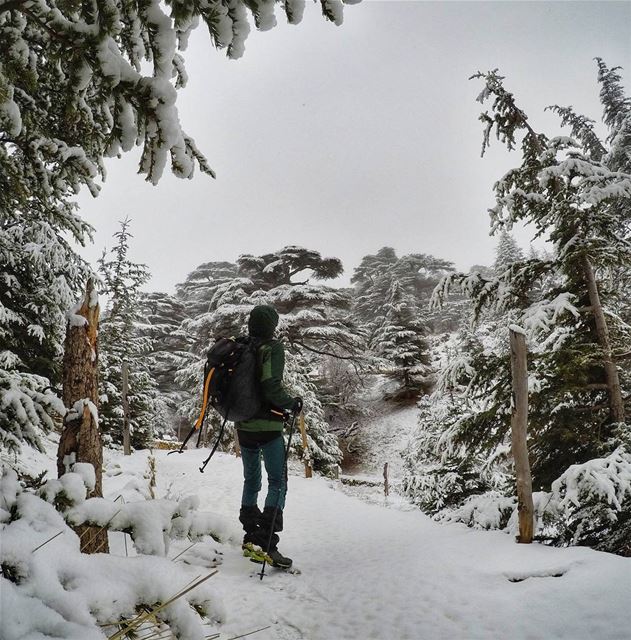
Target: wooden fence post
386,486
305,446
125,402
81,439
519,424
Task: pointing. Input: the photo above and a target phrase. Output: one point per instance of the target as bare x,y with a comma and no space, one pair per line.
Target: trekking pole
201,469
271,533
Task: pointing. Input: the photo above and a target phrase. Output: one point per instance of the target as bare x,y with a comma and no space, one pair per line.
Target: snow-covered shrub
490,510
590,504
441,486
50,589
594,504
151,524
437,473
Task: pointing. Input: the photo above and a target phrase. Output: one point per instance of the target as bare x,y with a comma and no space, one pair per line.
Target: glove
297,407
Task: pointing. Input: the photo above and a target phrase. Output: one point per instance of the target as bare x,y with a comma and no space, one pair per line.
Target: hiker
262,436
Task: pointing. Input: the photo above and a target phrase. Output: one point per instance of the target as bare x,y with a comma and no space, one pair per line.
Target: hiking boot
279,560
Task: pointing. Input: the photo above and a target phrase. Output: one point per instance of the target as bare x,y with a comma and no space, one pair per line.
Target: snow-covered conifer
121,343
40,277
162,322
417,273
401,341
196,293
372,283
507,252
458,448
567,301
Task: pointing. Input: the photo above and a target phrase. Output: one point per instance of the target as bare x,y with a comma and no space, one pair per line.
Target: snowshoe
255,553
274,558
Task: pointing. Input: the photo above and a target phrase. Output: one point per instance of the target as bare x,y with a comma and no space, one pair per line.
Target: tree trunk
305,446
125,400
519,424
81,438
616,405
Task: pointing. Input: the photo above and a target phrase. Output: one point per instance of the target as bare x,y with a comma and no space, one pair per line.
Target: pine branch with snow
48,586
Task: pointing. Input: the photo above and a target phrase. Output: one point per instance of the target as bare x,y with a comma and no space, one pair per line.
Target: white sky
346,139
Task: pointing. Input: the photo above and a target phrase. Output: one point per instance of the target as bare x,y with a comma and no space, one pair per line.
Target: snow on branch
110,77
541,316
50,588
603,479
150,523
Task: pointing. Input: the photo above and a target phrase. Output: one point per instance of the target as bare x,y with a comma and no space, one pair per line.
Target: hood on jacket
262,321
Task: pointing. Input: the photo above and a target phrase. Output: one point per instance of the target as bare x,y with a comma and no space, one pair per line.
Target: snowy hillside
368,571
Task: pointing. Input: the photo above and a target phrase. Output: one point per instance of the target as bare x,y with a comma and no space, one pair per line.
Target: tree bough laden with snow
74,86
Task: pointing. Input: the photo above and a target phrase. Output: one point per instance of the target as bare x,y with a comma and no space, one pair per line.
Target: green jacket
272,364
261,325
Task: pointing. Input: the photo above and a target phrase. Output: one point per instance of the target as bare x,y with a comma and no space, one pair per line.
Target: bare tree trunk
616,405
386,484
305,446
126,438
519,424
81,438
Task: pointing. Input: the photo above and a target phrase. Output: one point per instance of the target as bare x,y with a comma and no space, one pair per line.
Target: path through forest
372,571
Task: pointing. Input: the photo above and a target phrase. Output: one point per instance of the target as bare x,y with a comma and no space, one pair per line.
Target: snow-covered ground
374,571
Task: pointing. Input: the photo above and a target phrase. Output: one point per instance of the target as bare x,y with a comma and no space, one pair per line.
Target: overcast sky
346,139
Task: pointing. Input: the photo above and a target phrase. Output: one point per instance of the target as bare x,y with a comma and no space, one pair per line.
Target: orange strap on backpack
200,420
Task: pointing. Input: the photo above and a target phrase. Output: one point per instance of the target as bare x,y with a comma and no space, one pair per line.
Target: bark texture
616,404
81,438
519,425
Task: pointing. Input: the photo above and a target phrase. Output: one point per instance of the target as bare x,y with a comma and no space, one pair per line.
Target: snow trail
369,571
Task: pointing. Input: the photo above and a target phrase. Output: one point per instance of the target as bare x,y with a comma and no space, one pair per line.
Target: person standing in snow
262,437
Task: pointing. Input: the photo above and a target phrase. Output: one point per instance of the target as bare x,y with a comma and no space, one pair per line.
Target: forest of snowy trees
408,325
409,330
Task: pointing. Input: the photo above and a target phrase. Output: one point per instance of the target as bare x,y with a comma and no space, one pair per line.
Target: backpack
231,378
231,385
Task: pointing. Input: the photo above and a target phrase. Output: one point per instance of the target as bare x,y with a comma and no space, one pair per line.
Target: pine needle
249,633
183,552
47,541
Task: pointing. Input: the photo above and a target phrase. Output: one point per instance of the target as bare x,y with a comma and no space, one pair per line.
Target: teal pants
273,454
